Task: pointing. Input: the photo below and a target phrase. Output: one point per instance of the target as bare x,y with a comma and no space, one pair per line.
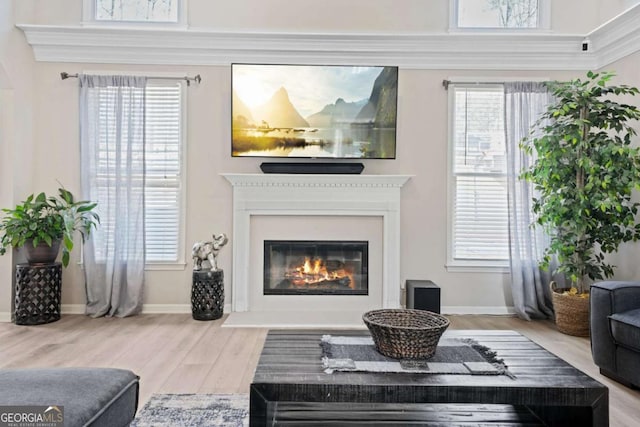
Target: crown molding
485,51
452,51
616,38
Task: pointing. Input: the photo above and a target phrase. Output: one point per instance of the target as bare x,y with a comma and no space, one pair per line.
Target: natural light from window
479,229
163,190
137,10
498,13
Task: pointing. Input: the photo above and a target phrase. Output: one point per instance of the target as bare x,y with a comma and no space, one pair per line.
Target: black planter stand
207,295
38,293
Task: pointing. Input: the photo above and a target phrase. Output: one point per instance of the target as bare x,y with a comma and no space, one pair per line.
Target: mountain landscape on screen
314,111
337,113
280,112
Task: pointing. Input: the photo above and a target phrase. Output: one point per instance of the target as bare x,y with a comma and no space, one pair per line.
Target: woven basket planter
405,333
572,313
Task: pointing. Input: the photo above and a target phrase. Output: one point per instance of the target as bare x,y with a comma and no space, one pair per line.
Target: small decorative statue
208,251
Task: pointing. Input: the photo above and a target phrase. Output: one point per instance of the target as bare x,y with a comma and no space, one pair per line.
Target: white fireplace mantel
334,195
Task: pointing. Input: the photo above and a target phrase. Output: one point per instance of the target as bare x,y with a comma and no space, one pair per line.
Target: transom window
500,14
135,11
479,234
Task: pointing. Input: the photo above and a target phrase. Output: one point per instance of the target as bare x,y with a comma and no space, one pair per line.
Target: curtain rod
446,83
64,75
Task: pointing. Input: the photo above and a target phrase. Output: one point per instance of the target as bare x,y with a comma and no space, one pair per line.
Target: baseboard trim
72,308
146,309
5,316
490,310
166,308
173,308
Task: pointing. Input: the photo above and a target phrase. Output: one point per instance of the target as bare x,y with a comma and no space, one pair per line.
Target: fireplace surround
315,195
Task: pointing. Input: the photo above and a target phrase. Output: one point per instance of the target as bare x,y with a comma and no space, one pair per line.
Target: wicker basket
571,312
405,334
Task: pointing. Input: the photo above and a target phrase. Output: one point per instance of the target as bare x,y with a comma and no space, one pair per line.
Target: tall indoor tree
585,172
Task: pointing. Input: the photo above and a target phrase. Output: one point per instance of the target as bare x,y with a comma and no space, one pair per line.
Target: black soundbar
312,168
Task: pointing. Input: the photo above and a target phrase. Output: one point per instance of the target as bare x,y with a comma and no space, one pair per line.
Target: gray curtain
112,115
524,102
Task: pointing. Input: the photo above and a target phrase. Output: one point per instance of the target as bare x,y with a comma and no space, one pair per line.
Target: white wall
628,72
611,8
6,182
568,16
16,121
6,147
46,117
422,151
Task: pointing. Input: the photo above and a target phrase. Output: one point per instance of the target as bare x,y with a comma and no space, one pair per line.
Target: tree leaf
68,243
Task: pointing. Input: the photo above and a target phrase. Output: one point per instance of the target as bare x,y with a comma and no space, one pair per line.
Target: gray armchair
615,330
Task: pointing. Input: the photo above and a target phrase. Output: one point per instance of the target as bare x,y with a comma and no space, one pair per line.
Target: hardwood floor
172,353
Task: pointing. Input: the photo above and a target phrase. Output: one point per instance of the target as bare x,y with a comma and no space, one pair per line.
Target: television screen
314,111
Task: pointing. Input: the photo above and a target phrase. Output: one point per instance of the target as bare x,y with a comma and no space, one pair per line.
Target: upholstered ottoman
615,330
93,397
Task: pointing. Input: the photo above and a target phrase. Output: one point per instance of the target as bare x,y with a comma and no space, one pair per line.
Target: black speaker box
423,295
312,168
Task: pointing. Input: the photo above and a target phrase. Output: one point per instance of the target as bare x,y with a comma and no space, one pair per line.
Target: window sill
174,266
499,30
476,268
135,25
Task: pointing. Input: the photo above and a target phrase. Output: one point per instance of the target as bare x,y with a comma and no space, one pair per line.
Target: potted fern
585,171
42,224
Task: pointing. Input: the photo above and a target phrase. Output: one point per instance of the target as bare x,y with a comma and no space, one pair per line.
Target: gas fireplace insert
305,267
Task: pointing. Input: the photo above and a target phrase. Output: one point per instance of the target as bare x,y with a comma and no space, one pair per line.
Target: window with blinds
163,135
163,170
479,217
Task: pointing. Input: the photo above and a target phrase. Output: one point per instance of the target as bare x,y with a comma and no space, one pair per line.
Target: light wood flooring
172,353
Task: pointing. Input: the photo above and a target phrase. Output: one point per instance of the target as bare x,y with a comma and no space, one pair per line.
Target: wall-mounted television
314,111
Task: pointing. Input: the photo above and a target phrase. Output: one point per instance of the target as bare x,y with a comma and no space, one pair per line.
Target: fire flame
314,272
316,269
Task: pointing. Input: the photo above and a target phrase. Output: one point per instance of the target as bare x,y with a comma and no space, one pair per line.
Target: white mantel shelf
332,195
315,180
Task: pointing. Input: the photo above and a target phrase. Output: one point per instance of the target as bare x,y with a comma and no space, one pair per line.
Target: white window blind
163,170
478,172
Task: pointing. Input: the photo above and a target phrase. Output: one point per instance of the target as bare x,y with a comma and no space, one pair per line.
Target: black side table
38,293
207,294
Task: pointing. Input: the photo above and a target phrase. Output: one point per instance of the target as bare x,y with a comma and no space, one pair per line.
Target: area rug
194,410
453,356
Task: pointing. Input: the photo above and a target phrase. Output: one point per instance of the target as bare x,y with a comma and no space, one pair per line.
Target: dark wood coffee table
290,388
